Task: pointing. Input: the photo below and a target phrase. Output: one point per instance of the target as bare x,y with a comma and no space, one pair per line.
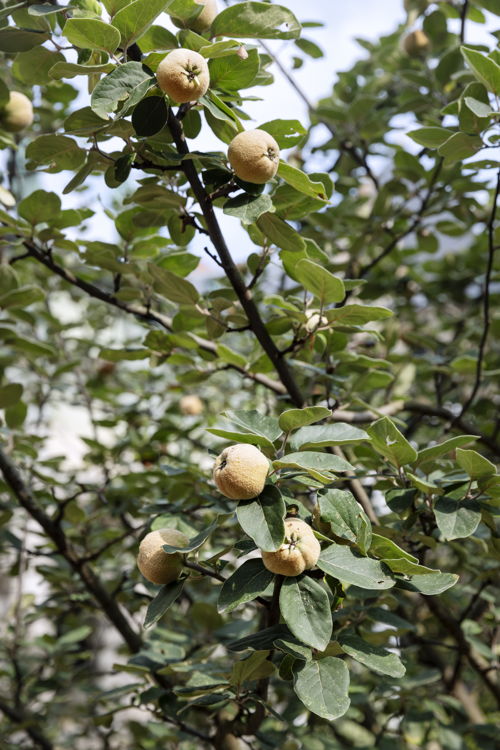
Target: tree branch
411,228
416,407
140,311
18,716
244,295
463,19
486,297
84,571
454,629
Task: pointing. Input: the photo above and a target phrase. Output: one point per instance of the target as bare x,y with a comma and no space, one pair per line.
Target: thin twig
486,298
463,19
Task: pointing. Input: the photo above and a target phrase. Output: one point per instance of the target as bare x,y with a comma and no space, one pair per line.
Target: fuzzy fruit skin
416,43
205,19
191,405
240,471
154,563
254,155
17,113
183,75
299,551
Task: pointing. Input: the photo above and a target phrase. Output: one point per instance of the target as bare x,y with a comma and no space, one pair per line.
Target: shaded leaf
323,686
247,582
373,657
162,601
305,607
348,566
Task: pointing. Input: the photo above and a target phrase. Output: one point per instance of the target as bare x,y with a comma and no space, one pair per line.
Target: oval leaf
305,607
262,518
349,567
249,581
323,686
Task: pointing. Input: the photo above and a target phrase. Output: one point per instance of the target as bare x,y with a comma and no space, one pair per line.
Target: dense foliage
356,347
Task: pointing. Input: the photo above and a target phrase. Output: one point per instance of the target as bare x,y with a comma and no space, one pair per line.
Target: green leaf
313,462
426,455
129,81
256,20
173,287
486,70
150,115
322,436
195,542
162,601
20,40
241,437
357,315
286,133
57,151
431,137
475,465
23,296
430,584
293,418
133,20
74,636
345,515
402,565
256,666
70,70
248,208
263,639
33,66
247,582
301,182
386,548
231,73
262,518
374,657
280,233
16,414
10,394
460,146
457,519
305,607
348,566
390,443
113,6
90,33
293,647
225,354
323,284
225,48
253,421
323,686
39,206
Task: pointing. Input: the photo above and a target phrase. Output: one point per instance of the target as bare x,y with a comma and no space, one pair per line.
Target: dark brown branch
416,407
411,228
139,311
86,574
19,716
453,627
244,295
486,298
463,19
